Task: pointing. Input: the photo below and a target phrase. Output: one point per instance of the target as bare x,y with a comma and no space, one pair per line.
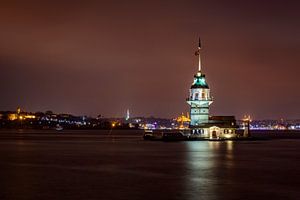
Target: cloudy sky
102,57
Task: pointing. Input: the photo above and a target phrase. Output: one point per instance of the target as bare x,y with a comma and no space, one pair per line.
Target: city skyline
104,58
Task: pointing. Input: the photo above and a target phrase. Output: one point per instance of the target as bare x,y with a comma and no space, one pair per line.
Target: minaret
199,99
127,115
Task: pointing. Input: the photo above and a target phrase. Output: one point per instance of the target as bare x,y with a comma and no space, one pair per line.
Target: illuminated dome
199,81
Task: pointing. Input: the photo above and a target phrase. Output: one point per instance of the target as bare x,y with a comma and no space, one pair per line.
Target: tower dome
199,81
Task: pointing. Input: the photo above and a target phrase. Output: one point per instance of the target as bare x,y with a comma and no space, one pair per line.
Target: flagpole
199,64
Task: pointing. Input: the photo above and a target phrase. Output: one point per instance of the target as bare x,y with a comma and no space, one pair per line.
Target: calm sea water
120,165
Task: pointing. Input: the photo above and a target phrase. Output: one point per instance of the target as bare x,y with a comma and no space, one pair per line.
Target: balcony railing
199,99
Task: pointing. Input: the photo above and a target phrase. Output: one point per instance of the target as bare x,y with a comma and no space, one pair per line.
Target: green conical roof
199,81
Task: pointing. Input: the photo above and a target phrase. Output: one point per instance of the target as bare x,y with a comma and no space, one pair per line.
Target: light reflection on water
229,153
200,165
204,160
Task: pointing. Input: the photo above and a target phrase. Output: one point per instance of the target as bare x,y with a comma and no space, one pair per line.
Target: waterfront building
20,115
201,123
183,121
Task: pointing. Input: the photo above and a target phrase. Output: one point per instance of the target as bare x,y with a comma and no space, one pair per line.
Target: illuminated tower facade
199,97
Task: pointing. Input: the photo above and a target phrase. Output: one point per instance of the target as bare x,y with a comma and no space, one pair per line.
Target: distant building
20,115
201,124
127,117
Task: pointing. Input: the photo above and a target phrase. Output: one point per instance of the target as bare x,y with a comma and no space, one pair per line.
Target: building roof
220,121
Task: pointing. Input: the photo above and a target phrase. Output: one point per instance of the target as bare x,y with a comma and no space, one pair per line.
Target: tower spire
198,54
199,64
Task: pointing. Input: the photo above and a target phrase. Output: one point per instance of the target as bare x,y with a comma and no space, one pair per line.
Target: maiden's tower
202,125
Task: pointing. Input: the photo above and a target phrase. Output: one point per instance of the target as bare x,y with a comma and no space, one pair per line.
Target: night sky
102,57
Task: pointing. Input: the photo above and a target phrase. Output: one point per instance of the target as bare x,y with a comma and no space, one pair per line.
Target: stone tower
199,98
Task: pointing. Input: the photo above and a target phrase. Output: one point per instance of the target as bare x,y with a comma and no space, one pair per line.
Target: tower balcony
200,99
